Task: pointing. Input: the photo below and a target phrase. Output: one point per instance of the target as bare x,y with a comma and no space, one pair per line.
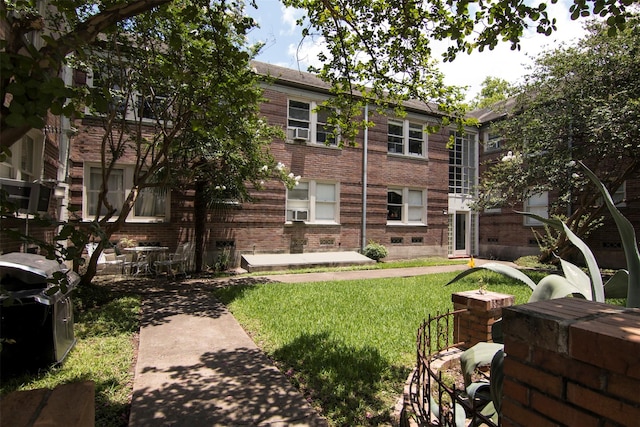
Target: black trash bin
36,328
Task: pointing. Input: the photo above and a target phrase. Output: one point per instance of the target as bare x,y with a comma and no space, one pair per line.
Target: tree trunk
200,222
109,230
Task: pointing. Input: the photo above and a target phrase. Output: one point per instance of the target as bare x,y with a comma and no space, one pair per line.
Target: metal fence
436,400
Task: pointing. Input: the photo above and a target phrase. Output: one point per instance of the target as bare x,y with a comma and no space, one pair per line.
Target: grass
349,345
104,353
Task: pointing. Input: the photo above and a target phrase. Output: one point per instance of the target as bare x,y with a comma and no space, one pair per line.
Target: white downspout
364,178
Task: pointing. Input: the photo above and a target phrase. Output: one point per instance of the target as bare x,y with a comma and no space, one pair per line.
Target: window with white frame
463,163
307,121
128,103
151,205
493,142
406,137
537,204
313,202
406,206
25,162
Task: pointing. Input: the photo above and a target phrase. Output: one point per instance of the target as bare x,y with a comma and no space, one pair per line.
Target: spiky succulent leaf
629,242
597,289
554,286
497,379
576,277
618,285
480,354
506,270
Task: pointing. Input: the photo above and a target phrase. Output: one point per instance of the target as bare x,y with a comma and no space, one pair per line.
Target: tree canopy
173,131
577,103
493,90
378,48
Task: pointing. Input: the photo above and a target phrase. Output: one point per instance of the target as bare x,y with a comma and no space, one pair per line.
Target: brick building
504,234
408,206
397,185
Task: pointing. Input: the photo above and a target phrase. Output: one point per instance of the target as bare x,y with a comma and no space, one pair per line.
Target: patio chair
177,262
138,266
108,261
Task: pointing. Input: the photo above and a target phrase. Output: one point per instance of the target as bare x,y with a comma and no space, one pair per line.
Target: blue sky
282,38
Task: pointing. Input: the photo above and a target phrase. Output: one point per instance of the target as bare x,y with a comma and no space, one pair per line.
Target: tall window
313,202
151,204
406,206
324,131
462,163
537,204
308,122
405,137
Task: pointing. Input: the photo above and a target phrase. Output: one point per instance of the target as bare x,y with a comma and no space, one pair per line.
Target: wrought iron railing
436,401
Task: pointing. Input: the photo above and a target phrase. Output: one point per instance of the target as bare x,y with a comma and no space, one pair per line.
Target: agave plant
623,284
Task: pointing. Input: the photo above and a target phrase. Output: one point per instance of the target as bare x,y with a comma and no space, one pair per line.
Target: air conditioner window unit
301,134
300,215
27,197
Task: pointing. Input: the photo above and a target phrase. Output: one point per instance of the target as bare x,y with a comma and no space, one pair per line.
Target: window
25,163
619,197
151,107
493,142
462,163
537,204
406,206
324,131
313,202
151,204
308,122
125,100
406,138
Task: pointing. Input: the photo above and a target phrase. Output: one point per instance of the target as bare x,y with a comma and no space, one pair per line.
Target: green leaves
629,243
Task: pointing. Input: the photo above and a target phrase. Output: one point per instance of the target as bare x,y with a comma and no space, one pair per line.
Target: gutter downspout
364,179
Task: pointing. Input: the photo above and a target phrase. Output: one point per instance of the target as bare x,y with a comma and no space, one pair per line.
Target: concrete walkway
197,366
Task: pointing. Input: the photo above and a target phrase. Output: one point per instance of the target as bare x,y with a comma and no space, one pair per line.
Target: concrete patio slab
271,262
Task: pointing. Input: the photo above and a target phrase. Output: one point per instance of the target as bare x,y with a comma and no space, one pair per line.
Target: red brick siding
579,368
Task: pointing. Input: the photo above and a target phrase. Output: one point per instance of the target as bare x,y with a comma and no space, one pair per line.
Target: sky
282,38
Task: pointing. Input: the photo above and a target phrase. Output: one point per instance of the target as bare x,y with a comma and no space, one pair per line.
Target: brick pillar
571,362
483,309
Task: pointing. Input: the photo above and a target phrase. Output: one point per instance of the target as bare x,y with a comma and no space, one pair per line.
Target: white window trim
470,164
311,204
405,207
406,123
492,138
313,124
132,105
128,180
532,222
13,165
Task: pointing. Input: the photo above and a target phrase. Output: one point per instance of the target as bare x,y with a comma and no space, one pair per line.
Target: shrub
375,251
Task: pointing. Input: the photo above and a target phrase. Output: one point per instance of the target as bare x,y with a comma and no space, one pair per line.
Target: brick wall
259,227
482,310
571,362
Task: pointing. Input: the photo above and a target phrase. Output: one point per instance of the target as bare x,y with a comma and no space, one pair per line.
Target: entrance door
461,234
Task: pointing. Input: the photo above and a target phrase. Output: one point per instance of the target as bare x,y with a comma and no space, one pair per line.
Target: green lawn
104,353
349,345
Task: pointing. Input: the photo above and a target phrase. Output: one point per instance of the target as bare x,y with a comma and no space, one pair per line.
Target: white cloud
289,17
502,62
307,51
